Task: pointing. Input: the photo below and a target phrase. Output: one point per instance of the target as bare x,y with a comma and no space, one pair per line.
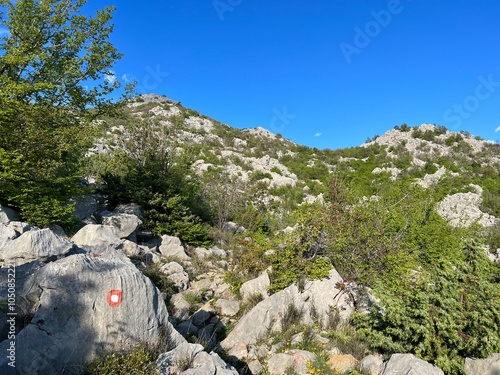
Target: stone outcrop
172,247
462,210
41,244
191,359
487,366
409,364
93,235
88,305
314,304
124,223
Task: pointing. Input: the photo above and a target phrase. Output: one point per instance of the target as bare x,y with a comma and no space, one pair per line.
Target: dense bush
442,313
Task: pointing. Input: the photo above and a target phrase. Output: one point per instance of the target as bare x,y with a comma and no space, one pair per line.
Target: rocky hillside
205,249
282,174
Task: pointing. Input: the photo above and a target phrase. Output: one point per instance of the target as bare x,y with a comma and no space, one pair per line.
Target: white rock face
261,132
431,179
39,244
125,224
257,286
462,210
96,235
172,246
488,366
88,305
409,364
7,234
318,296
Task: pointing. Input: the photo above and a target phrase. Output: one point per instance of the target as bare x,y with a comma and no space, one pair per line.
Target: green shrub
442,313
140,360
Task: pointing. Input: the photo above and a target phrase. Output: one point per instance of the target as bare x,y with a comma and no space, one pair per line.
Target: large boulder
269,313
372,364
85,207
488,366
87,305
125,224
172,247
323,295
93,235
409,364
256,287
42,244
314,303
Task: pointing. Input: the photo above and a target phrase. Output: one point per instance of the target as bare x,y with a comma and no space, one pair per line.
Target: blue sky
324,73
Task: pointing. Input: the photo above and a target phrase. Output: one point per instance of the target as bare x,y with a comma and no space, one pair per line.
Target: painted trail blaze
114,298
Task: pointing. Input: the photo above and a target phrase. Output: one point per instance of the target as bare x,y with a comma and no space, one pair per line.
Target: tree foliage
53,68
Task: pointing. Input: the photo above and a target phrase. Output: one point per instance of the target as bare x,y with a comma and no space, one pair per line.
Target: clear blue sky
324,73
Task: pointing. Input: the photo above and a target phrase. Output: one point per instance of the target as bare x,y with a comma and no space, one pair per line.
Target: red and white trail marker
114,298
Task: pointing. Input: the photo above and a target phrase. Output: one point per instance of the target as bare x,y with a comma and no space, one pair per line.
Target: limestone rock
88,305
462,210
408,363
318,297
301,359
342,362
125,224
129,208
40,244
257,286
190,359
96,235
180,307
278,364
176,274
227,308
488,366
172,247
201,252
7,234
322,295
20,227
268,313
255,367
7,214
372,364
85,207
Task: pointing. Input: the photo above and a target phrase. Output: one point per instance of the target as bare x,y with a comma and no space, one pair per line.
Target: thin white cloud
127,78
110,77
318,134
497,129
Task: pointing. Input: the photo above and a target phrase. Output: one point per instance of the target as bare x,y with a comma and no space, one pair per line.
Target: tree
54,81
